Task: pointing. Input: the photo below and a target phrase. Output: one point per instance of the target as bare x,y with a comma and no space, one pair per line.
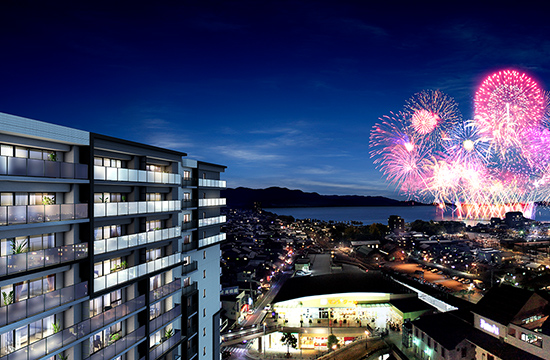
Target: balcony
157,351
122,276
189,289
26,261
192,351
212,202
213,183
42,168
212,240
119,174
116,313
164,290
212,221
38,304
187,268
187,225
117,347
186,204
135,207
165,318
129,241
30,214
188,182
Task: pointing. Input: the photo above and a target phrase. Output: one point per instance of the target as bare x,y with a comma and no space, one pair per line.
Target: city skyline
283,93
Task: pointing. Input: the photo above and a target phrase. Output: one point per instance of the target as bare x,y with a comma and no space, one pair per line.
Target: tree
289,340
332,341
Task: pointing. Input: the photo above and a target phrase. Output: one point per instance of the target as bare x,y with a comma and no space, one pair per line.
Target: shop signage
492,328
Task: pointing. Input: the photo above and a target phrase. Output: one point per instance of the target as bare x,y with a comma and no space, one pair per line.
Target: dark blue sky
282,92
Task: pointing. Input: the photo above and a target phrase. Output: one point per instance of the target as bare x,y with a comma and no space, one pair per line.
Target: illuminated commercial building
109,248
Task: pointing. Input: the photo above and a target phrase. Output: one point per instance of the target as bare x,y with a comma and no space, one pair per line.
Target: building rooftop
446,329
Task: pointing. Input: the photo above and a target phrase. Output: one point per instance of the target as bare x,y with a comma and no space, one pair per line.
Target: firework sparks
496,163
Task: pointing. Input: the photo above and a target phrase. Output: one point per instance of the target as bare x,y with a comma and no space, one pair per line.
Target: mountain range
242,197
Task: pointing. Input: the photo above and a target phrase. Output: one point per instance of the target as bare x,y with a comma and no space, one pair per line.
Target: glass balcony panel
3,315
121,345
150,236
80,211
52,299
17,263
96,322
97,356
54,342
123,208
99,283
165,178
142,207
111,174
3,165
123,276
150,176
35,259
35,213
21,354
35,167
142,238
109,316
80,251
150,206
17,311
83,329
120,311
67,170
142,176
132,240
164,263
123,242
81,171
69,335
132,273
81,290
150,266
122,174
17,166
3,215
67,253
37,349
99,246
67,212
164,234
52,212
67,295
112,280
112,209
132,208
99,210
17,214
109,352
99,173
158,177
51,256
35,305
52,169
142,269
112,244
132,175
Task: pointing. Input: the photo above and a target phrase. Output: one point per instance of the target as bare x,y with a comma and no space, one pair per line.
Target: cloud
245,154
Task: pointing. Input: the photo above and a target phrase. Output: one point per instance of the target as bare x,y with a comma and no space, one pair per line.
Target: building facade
109,249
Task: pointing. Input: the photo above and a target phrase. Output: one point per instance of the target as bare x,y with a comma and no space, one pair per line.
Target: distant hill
283,197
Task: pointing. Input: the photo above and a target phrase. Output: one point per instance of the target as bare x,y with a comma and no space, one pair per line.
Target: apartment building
109,249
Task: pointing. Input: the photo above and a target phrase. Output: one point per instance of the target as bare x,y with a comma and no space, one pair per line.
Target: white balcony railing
212,221
120,174
135,207
122,276
212,240
212,202
128,241
213,183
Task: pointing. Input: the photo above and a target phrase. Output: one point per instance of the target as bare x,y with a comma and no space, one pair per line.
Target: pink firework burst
424,121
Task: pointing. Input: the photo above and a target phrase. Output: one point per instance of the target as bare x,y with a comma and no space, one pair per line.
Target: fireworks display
493,164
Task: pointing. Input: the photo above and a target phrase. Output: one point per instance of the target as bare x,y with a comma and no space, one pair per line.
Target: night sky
284,93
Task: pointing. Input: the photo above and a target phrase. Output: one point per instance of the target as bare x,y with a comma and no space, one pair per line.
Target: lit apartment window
204,254
156,168
186,239
99,161
154,225
22,244
186,175
107,232
204,274
203,331
186,196
186,218
109,197
204,293
153,197
204,312
204,350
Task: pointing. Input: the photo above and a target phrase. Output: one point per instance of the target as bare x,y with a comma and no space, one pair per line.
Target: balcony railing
128,241
29,214
165,318
134,272
15,263
158,350
212,202
188,225
119,346
38,304
187,290
192,351
42,168
135,207
189,182
164,290
116,313
212,221
212,183
185,204
131,175
186,269
212,240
